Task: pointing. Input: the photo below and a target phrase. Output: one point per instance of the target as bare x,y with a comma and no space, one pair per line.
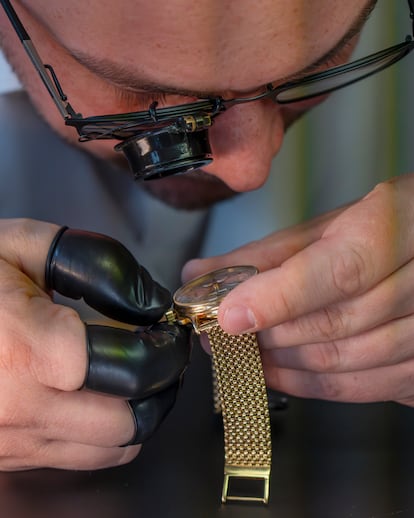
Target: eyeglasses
174,140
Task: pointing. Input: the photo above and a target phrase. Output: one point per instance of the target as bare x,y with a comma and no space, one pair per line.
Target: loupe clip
157,143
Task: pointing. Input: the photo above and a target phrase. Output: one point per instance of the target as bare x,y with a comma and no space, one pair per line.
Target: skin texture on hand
45,420
333,304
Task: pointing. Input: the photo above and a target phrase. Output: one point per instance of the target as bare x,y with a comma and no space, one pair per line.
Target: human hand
47,353
333,303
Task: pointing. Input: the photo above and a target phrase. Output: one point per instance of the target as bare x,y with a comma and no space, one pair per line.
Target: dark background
329,461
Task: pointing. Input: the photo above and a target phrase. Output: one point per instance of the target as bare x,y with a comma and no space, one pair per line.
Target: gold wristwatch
240,382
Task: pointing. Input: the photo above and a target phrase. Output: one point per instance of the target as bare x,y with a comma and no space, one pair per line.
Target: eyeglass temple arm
52,85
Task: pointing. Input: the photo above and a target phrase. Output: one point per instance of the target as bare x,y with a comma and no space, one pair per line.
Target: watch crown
171,317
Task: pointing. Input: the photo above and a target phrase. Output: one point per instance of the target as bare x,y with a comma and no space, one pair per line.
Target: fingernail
238,320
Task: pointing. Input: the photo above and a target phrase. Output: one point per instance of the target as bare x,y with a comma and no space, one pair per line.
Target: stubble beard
190,191
194,190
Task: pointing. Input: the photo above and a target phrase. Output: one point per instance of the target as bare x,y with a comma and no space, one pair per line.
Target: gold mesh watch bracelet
243,397
240,381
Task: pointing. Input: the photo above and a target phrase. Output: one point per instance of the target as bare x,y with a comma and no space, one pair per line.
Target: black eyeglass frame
196,116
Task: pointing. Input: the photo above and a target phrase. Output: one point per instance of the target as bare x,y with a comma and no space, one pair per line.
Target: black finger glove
135,365
106,275
144,367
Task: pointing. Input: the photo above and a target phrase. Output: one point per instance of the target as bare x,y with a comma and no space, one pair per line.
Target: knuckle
48,366
326,358
64,316
341,387
327,323
332,323
284,303
328,388
348,271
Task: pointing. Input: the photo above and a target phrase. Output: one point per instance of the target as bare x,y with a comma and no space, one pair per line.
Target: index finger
361,247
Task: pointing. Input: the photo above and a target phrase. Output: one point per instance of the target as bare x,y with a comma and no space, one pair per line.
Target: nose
244,139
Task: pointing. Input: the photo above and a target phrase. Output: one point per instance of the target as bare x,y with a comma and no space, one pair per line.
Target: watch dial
213,286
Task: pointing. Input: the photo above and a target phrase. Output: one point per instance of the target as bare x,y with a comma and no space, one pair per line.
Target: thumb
25,244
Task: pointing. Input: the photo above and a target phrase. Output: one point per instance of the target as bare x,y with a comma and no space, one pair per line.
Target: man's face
114,57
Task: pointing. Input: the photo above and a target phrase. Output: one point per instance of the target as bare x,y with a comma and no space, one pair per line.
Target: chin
190,191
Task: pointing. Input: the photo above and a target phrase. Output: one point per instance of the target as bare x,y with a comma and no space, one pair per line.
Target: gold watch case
198,300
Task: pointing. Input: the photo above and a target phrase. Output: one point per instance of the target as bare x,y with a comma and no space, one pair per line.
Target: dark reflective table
329,461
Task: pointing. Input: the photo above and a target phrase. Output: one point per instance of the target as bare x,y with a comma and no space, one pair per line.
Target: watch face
212,287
